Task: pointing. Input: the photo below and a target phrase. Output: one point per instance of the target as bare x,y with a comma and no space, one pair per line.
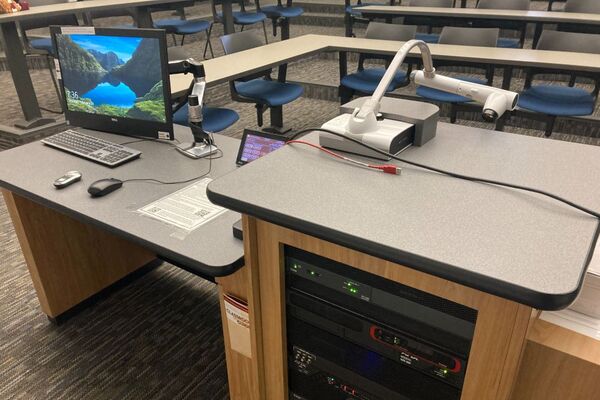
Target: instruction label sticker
78,30
187,208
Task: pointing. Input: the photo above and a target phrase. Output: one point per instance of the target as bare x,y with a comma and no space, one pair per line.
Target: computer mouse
103,187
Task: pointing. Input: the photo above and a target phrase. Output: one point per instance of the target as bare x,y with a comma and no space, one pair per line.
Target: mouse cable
210,159
450,173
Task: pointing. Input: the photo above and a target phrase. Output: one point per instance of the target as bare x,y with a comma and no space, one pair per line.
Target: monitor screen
255,144
115,76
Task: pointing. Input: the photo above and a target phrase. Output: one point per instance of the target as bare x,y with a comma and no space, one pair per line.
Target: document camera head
495,101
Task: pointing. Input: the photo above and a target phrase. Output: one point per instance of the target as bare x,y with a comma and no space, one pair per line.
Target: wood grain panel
499,333
69,261
245,375
558,364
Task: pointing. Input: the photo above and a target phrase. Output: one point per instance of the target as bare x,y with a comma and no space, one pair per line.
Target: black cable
182,181
452,174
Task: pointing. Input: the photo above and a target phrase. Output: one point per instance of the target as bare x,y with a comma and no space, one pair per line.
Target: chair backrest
504,4
484,37
240,41
569,41
382,31
583,6
45,22
431,3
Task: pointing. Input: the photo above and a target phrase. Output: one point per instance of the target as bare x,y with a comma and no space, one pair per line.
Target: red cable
386,168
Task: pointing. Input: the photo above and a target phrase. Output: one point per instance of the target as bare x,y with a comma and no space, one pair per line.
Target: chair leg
550,120
259,114
208,44
345,94
453,113
174,39
265,32
182,39
277,116
242,29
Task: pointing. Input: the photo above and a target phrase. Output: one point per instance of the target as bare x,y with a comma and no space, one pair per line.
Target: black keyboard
99,150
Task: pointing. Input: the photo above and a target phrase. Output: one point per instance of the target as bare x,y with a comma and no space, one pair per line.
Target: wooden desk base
558,364
498,343
69,261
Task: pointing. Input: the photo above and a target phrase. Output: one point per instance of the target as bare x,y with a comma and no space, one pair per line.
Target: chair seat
366,81
191,27
44,44
356,13
245,18
438,95
271,93
213,119
508,43
557,100
169,25
428,37
282,12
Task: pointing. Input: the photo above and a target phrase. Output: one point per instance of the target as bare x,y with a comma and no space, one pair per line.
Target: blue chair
42,46
521,27
185,27
552,101
242,17
258,88
428,37
213,119
280,13
486,37
366,80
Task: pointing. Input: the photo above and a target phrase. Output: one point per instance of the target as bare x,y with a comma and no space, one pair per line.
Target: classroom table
237,65
474,14
16,58
76,245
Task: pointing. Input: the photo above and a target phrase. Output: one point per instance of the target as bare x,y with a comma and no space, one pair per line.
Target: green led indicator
312,273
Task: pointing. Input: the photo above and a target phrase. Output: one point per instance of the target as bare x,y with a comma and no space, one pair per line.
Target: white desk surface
233,66
513,15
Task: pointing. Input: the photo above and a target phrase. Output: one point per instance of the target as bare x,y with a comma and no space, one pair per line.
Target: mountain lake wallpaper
111,75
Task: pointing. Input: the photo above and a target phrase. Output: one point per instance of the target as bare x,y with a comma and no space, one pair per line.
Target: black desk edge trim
535,299
186,263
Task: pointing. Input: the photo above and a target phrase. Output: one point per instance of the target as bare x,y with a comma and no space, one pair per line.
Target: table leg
227,17
285,35
69,261
143,18
507,77
17,64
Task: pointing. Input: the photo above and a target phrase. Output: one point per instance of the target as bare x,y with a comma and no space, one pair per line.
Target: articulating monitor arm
203,144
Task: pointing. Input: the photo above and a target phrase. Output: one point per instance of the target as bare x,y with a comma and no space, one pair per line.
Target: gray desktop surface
211,249
513,244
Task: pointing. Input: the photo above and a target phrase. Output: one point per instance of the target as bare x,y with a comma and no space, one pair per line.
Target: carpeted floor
158,337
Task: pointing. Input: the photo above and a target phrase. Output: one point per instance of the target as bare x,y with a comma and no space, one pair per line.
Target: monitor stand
197,150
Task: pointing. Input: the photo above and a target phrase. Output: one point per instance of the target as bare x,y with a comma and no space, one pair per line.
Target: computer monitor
115,80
